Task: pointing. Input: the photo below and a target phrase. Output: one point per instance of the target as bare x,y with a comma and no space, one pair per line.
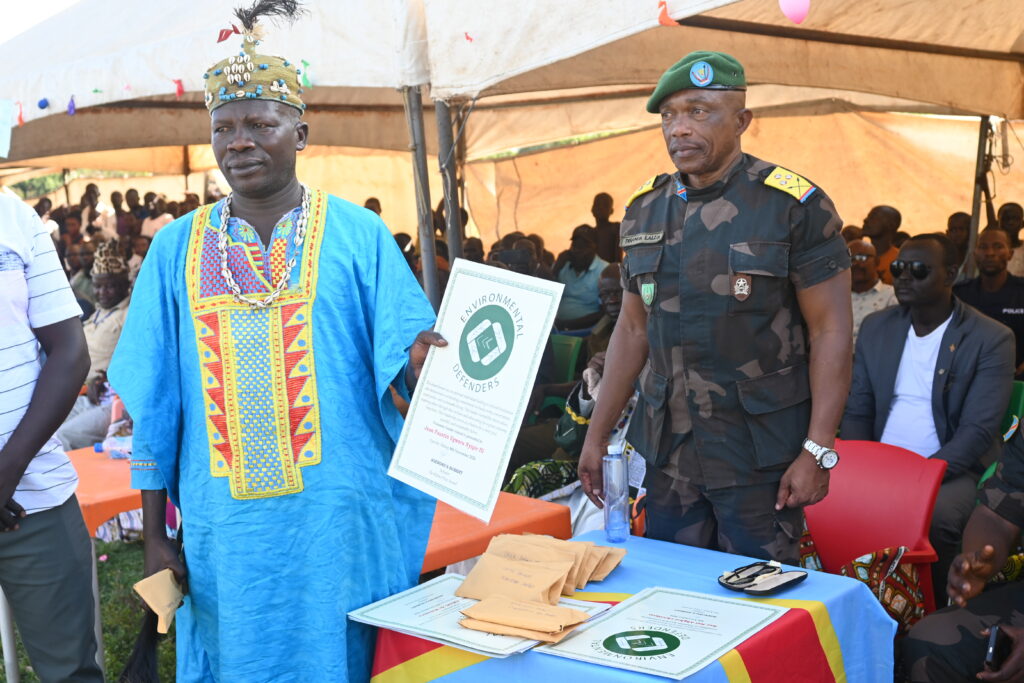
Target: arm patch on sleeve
790,183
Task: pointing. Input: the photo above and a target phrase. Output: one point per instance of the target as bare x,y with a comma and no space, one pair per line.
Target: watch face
829,459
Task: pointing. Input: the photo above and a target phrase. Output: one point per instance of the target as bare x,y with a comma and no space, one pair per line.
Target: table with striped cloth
835,630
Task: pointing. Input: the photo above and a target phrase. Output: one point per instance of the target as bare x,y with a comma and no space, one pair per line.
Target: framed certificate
666,632
472,394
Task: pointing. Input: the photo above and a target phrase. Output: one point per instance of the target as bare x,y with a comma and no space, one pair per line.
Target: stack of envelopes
519,580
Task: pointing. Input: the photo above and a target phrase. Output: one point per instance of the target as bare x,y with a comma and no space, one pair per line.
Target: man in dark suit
933,375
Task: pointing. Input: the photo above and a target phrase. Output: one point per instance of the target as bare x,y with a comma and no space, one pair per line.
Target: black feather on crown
289,9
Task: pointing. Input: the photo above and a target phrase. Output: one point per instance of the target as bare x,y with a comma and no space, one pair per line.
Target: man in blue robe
264,334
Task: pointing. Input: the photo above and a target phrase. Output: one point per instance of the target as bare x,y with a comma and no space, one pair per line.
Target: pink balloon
795,10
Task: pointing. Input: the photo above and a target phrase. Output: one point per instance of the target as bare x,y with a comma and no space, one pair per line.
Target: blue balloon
44,103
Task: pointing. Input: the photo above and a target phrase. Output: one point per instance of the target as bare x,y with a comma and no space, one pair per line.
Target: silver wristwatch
825,457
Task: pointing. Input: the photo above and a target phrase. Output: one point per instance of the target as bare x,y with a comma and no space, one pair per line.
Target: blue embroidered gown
272,429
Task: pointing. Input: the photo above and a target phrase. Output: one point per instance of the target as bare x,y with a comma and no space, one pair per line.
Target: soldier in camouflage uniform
949,645
733,267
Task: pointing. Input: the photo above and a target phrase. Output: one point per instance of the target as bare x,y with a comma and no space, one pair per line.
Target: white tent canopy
106,51
964,55
359,54
570,68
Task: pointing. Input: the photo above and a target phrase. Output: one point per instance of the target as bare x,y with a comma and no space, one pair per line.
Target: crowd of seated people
101,248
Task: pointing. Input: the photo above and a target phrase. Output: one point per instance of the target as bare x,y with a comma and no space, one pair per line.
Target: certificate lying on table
433,611
666,632
472,394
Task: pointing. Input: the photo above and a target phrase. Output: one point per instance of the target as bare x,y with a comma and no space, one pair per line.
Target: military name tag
647,293
741,286
641,238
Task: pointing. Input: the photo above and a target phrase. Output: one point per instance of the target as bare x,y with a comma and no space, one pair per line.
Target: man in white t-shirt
934,376
45,553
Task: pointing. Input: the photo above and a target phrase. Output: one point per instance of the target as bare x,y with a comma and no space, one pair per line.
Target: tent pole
980,169
446,161
460,160
428,264
64,181
185,165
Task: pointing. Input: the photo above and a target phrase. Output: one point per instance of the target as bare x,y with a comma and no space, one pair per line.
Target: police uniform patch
643,189
647,293
790,183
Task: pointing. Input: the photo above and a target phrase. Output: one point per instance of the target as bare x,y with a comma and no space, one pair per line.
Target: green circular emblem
641,643
486,342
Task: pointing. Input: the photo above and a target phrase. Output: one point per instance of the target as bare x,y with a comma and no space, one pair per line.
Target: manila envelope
517,548
595,555
533,616
610,562
536,581
578,548
163,595
502,630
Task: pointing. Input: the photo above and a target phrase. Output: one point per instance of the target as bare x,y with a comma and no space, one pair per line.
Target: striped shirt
34,293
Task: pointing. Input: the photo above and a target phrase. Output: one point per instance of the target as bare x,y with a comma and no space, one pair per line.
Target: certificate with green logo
666,632
472,394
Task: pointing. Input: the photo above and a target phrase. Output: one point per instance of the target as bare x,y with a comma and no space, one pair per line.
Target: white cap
615,450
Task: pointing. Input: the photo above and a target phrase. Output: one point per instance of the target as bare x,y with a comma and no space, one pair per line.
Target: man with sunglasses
933,376
869,293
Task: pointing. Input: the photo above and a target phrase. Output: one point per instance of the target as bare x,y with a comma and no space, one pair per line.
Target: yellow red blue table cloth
835,630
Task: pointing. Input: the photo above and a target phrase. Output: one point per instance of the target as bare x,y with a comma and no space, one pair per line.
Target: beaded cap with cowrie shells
248,75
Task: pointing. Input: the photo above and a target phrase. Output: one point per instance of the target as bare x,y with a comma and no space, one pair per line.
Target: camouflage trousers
947,645
740,520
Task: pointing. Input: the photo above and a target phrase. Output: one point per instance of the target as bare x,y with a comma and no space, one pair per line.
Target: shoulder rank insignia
790,183
643,189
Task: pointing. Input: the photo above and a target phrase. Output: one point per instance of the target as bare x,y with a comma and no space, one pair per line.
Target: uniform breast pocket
758,276
641,265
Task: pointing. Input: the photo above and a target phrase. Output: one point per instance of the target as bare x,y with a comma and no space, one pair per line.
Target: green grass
122,613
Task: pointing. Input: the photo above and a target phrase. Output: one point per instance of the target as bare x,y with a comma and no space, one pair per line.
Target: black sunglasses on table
918,269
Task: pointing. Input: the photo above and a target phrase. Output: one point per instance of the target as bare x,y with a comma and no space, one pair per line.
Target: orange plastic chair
879,496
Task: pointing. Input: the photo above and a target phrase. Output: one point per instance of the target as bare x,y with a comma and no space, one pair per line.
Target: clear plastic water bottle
616,496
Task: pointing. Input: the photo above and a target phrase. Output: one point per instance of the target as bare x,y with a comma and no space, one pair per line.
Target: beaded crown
248,75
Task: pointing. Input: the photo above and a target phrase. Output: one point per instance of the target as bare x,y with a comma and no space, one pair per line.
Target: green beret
701,70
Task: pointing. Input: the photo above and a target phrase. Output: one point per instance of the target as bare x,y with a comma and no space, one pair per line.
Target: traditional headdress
108,259
248,75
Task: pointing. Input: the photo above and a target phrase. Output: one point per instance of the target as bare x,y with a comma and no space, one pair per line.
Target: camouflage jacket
718,270
1003,493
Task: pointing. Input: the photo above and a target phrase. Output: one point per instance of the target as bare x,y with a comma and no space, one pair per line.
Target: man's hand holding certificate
472,394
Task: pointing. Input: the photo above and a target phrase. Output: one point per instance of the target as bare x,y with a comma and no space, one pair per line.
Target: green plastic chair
1015,409
566,350
1016,406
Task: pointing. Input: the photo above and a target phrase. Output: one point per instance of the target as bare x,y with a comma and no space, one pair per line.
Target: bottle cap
615,450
